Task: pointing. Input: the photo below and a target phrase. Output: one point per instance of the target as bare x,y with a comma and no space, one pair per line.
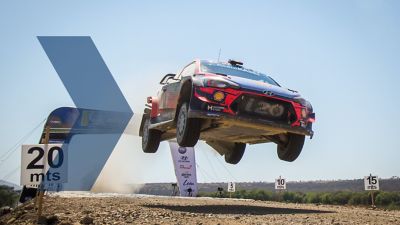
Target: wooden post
372,199
41,188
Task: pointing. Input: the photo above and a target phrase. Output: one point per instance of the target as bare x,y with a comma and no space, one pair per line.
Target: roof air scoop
235,63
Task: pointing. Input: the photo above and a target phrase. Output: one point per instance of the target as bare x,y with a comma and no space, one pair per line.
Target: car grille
264,108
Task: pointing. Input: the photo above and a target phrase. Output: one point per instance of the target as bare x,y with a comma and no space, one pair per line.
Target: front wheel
187,129
291,149
235,154
151,138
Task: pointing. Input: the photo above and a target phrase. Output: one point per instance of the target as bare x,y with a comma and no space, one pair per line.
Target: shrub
387,198
390,200
361,198
8,197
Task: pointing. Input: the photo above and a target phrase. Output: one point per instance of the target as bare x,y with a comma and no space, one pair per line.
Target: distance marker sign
280,183
231,187
371,183
43,164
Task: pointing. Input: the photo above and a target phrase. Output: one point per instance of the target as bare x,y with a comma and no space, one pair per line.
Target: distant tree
313,197
8,196
388,198
359,198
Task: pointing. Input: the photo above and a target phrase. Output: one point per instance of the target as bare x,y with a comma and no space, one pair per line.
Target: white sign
231,187
185,169
43,165
371,183
280,183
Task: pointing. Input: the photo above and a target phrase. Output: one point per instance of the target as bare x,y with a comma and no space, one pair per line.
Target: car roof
225,64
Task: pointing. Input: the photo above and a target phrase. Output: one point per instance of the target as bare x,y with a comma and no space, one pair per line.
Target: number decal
60,157
372,180
32,165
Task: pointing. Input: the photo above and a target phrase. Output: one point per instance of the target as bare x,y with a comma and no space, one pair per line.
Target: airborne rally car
228,106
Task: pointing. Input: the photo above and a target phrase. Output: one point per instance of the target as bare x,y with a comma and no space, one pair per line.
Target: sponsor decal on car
215,108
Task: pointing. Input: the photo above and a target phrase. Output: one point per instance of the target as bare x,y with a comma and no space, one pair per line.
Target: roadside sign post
231,188
371,184
41,188
280,185
43,166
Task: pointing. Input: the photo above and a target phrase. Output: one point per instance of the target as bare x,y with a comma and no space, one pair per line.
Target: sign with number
371,183
280,183
231,187
43,164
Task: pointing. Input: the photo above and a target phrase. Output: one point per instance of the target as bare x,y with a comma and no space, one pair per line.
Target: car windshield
227,69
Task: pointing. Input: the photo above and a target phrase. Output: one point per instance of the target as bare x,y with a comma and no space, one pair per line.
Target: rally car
227,106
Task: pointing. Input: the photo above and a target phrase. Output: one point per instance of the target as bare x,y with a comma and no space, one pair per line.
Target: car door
170,93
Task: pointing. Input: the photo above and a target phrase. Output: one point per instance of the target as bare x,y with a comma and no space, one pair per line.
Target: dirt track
132,209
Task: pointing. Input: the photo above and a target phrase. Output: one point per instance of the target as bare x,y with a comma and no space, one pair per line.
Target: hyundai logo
182,150
269,93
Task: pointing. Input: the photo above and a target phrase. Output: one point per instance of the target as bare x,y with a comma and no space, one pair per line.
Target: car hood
260,86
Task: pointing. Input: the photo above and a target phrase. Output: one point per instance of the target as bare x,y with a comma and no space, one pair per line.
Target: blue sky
343,56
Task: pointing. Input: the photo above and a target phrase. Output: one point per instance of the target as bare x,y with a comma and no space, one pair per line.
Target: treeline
8,197
389,200
356,185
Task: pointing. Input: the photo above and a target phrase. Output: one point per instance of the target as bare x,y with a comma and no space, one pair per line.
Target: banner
185,169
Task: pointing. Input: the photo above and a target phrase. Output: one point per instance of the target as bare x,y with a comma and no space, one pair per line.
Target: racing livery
227,106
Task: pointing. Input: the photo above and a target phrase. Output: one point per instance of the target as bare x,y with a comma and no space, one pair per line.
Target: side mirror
167,77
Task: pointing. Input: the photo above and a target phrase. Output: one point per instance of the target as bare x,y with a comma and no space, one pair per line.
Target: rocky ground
81,208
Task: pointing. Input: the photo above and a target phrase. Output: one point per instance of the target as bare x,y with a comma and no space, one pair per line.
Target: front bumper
202,105
243,121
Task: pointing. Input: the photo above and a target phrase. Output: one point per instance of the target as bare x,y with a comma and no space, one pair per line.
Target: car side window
188,70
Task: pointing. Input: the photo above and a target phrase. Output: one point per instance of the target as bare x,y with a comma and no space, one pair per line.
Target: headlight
300,100
304,103
219,83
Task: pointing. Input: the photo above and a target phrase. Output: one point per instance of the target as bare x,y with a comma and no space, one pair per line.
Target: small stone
87,220
29,207
53,219
42,220
10,220
5,210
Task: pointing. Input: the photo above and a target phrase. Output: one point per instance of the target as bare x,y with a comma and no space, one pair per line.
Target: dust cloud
123,171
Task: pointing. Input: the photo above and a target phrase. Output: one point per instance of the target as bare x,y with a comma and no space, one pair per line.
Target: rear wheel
151,138
187,129
235,154
291,149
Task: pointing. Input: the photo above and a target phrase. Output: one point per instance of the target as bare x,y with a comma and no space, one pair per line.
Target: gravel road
85,208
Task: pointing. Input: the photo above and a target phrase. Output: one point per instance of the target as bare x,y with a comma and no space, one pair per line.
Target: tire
292,149
187,129
234,155
151,138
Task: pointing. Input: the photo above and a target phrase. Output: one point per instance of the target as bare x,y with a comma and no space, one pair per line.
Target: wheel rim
181,124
